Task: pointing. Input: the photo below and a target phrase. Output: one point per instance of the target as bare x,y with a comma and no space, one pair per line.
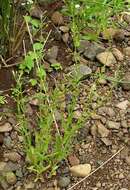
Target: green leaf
38,46
29,62
36,23
33,82
41,73
27,19
56,66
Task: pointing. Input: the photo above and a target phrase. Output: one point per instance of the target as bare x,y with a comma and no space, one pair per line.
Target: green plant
90,17
50,141
57,66
2,100
5,21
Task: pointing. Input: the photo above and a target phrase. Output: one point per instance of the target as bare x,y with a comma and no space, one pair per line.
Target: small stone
8,142
34,102
128,160
80,71
123,105
121,176
13,156
106,58
124,124
36,12
83,45
5,128
126,18
127,51
119,35
81,170
77,114
119,56
13,166
57,18
106,141
29,110
109,33
52,52
93,130
4,167
58,115
64,182
19,173
11,178
29,185
102,81
92,50
102,130
126,81
110,112
73,160
99,185
113,125
65,37
64,29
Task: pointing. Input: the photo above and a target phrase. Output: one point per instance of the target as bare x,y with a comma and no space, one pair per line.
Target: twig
3,61
97,169
11,65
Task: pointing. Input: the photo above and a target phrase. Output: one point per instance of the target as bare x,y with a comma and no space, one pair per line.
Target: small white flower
77,6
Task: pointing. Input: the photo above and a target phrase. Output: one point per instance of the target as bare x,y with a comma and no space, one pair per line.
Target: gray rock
29,185
52,53
19,173
123,105
124,124
4,168
8,142
102,130
11,178
80,71
64,181
126,81
13,166
110,112
128,160
83,45
92,50
93,130
106,58
127,51
106,141
6,127
113,125
106,111
13,156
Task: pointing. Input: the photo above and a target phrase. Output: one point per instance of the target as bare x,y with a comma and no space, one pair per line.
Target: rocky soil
105,133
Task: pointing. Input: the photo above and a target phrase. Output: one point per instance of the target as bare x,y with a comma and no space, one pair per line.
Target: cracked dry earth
106,132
